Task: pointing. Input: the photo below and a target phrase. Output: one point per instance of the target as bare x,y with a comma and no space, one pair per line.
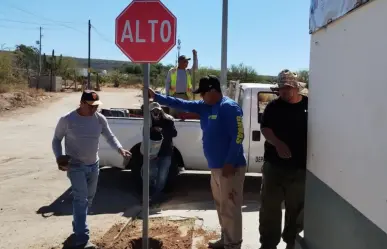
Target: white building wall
348,109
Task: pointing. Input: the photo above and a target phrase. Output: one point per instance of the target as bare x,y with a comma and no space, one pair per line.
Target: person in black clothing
284,126
163,124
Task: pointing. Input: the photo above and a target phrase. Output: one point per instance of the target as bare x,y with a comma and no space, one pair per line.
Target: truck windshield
263,99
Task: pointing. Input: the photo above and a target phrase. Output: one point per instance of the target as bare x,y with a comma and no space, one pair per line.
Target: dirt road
35,207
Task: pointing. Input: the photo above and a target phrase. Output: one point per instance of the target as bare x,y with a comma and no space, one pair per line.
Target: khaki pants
228,197
278,185
175,112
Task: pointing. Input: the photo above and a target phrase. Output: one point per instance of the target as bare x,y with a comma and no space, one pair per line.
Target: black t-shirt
289,124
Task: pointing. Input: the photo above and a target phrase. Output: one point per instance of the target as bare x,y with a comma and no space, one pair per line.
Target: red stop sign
146,31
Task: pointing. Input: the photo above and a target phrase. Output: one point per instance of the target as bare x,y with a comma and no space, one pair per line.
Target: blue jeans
158,175
84,180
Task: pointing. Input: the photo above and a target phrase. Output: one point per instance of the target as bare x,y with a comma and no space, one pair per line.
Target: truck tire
136,166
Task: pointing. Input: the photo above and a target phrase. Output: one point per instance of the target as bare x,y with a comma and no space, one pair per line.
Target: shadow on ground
116,193
192,191
113,196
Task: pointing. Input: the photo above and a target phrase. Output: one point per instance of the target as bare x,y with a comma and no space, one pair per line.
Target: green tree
303,76
67,67
116,77
243,73
27,57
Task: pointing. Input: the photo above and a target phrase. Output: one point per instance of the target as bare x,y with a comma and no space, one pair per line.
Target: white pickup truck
188,151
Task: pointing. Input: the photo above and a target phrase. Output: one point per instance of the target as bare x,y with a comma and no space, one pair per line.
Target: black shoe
267,247
217,244
88,245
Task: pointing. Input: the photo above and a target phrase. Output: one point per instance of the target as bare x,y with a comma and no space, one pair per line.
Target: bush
6,74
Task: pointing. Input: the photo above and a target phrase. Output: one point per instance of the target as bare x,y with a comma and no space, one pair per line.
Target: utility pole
178,49
88,60
223,67
40,56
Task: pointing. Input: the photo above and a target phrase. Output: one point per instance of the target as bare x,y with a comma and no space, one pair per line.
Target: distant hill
97,64
100,64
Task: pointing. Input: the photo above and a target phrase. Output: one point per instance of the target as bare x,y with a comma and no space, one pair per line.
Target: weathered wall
45,83
346,203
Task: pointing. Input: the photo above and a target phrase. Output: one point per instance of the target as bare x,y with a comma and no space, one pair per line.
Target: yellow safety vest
172,88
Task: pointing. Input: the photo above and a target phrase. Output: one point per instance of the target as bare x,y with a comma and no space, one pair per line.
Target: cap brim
97,102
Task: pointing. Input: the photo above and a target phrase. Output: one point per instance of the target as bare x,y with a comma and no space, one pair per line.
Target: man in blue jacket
223,134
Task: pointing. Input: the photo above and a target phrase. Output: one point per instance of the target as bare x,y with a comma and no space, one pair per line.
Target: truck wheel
136,166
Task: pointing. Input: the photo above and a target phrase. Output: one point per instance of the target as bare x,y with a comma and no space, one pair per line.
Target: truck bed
128,130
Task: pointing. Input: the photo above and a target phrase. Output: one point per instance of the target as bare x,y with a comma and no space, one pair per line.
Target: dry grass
13,96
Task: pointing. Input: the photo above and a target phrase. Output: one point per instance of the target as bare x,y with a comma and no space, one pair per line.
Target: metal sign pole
223,65
193,83
145,177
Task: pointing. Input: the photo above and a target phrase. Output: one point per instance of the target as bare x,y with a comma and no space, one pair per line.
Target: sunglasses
156,112
91,106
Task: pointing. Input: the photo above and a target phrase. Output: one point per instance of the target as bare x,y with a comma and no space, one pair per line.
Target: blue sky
268,35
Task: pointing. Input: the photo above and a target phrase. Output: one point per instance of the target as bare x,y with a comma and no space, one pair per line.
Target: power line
45,18
103,37
24,22
28,28
21,28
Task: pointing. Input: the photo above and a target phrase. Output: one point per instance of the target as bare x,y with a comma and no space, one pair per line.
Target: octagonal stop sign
146,31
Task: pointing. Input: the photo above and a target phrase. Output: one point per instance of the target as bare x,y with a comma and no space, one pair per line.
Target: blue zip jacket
222,128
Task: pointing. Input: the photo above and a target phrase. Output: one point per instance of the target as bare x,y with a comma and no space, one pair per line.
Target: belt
181,93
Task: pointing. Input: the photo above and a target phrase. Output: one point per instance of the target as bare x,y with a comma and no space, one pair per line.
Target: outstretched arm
186,105
108,134
195,64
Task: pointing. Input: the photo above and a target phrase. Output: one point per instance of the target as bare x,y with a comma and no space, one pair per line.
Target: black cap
208,83
184,58
91,98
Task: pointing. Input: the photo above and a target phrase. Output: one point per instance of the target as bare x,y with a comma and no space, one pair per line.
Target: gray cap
154,105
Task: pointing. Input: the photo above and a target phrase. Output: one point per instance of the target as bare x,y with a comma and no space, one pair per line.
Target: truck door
259,100
243,98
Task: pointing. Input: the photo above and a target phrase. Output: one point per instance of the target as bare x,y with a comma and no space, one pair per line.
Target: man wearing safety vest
179,79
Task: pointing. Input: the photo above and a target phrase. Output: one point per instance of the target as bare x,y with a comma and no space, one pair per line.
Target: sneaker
218,244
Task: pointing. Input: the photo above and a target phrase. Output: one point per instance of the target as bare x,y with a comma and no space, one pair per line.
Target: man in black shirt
284,126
